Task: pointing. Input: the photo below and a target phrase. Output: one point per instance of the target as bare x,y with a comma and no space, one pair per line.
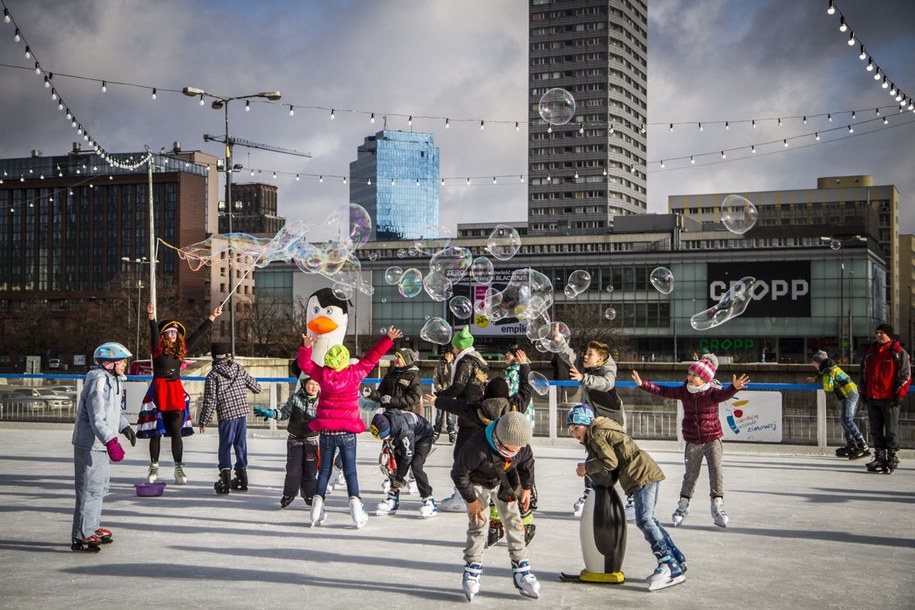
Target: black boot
436,432
859,450
240,482
892,462
878,464
222,485
846,450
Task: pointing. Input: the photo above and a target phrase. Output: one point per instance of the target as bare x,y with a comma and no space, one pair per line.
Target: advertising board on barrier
752,417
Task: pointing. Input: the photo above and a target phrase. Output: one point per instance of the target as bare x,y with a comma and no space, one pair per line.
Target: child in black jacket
407,438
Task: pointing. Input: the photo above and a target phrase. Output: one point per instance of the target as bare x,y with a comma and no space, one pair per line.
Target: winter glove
131,435
386,399
265,413
115,452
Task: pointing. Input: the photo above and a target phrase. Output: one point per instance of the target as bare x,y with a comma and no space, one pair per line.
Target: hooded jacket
441,377
885,372
598,385
338,409
701,423
299,409
98,416
224,392
408,431
402,386
610,448
468,376
835,379
478,463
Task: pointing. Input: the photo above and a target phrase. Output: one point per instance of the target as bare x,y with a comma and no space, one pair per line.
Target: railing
809,416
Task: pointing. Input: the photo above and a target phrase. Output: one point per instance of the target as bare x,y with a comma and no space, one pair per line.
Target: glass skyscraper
395,177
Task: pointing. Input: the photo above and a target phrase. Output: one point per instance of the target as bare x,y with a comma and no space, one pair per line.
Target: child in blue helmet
95,443
610,448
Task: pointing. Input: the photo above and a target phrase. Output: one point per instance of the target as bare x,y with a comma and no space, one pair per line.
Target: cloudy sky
710,61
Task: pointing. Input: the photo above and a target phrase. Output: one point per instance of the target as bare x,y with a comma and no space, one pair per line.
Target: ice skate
892,462
435,434
471,581
858,450
579,505
453,504
496,532
318,514
452,436
386,486
680,512
411,487
630,510
286,501
718,513
388,506
429,508
223,485
878,464
525,582
667,574
89,544
240,482
357,512
104,536
180,477
153,474
846,450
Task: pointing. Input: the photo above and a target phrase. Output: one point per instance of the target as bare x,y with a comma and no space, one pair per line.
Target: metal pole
139,289
229,211
842,304
152,232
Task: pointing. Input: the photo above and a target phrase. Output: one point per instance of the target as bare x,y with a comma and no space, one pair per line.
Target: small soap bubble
539,383
436,330
738,214
663,280
557,106
504,242
610,313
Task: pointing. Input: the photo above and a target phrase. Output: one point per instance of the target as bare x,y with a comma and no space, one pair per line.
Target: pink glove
115,452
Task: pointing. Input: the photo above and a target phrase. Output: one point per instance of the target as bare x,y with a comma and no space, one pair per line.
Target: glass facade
396,179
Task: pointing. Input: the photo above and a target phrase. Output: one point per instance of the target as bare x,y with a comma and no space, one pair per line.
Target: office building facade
395,177
254,210
587,172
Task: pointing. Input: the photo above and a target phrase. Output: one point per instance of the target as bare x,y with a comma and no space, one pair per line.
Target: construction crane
248,144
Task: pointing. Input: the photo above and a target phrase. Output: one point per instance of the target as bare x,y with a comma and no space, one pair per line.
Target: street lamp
222,102
839,244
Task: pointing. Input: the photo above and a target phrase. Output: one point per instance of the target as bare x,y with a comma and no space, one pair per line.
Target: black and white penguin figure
326,317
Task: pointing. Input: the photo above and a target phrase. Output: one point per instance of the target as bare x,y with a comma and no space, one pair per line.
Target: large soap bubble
433,239
437,331
738,214
733,303
461,307
557,106
504,242
539,383
578,283
481,271
663,280
558,337
453,262
437,286
528,294
411,283
392,274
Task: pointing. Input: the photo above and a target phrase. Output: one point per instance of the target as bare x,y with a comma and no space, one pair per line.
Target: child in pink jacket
338,419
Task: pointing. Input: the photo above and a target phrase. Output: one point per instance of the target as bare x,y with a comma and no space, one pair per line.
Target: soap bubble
433,239
835,244
437,286
663,280
538,327
504,242
384,300
557,106
733,303
402,253
437,331
343,292
360,225
392,274
481,270
461,307
558,337
578,283
609,288
528,293
411,283
539,383
383,330
453,262
373,256
539,346
738,214
610,313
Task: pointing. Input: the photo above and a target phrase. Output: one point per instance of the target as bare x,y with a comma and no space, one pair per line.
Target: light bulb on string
877,74
28,52
482,126
17,36
700,127
296,177
447,124
54,94
154,93
853,115
842,26
805,120
851,39
785,143
522,178
779,122
671,128
829,118
247,105
47,83
862,54
581,130
291,110
517,127
201,99
104,87
442,182
344,179
754,123
6,15
884,84
417,182
274,175
892,92
372,118
723,155
870,65
691,160
831,9
885,121
410,120
877,111
851,129
468,181
753,149
817,136
727,126
332,114
610,131
37,68
493,179
662,165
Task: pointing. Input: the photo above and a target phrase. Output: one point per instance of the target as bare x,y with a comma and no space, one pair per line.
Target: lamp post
139,283
839,244
221,102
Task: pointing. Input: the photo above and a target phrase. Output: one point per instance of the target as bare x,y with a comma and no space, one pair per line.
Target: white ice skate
411,487
661,578
579,505
357,512
388,506
526,583
318,514
180,477
153,473
453,504
630,510
471,581
428,509
680,512
718,513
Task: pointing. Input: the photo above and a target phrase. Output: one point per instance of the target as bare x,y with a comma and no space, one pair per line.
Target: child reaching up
701,431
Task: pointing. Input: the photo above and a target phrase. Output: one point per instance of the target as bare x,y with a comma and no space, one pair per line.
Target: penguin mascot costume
326,317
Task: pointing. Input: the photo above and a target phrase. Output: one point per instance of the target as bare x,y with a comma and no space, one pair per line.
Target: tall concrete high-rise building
395,177
592,169
254,210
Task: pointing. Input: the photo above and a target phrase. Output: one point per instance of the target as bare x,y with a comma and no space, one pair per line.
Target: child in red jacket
701,430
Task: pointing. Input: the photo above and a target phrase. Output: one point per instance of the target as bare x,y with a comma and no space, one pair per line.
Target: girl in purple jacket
701,430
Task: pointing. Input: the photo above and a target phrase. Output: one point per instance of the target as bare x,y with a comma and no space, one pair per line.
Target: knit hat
219,350
496,388
463,339
819,357
886,328
704,369
514,429
406,355
381,426
337,357
711,358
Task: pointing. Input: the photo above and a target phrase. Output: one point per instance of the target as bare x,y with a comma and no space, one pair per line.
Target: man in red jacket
884,380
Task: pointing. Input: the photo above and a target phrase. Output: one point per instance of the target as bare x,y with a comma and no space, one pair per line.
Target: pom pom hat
819,357
463,339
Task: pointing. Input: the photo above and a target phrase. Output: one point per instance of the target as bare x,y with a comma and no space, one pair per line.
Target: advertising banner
782,288
753,417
